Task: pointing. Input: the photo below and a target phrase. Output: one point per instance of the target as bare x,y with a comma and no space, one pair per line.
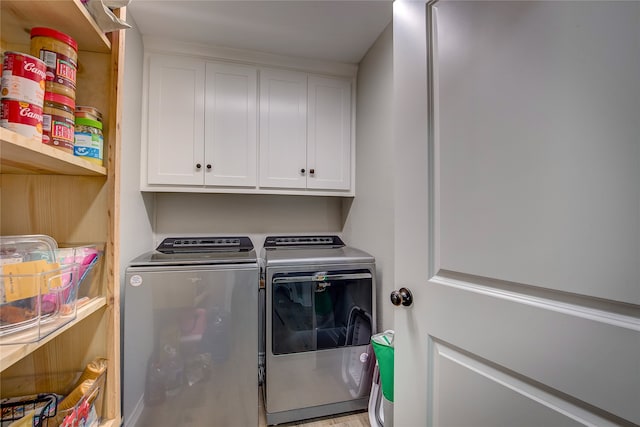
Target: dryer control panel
273,242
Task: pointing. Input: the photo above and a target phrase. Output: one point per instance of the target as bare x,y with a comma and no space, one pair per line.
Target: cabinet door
230,125
176,121
283,129
329,134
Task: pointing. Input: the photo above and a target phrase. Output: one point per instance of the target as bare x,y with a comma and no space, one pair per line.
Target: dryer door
321,310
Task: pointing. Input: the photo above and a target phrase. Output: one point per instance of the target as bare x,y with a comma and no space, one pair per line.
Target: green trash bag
383,348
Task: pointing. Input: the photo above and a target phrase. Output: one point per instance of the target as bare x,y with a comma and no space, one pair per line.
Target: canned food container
23,78
89,140
88,112
58,121
60,54
22,117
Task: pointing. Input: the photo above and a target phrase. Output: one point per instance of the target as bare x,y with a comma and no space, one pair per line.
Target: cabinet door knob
312,171
209,166
198,166
302,170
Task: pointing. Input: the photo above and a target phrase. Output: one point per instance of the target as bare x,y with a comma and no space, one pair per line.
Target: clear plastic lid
22,248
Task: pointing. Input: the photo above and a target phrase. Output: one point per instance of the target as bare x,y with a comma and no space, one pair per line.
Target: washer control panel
204,244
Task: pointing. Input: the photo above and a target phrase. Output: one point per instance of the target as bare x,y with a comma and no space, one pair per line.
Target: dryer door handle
322,278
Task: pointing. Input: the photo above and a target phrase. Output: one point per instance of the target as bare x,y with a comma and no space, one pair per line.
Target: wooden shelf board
12,353
67,16
20,155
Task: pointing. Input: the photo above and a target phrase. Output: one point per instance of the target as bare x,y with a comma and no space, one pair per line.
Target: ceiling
330,30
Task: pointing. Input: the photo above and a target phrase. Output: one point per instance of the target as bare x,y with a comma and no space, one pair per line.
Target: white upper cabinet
305,131
236,127
329,134
202,123
283,129
175,154
230,125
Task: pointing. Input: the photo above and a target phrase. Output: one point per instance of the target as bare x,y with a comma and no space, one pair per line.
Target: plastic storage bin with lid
38,286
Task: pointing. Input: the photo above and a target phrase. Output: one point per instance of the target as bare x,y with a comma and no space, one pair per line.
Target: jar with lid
88,112
58,121
60,53
89,141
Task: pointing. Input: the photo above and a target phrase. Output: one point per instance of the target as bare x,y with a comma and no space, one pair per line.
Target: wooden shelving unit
44,190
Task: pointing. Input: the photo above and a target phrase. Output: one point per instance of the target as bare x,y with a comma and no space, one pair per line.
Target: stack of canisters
23,87
60,54
39,96
39,90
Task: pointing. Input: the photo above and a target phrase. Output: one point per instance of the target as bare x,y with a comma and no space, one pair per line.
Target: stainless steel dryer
191,334
319,318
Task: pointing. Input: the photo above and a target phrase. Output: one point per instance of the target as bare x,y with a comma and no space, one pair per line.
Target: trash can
383,348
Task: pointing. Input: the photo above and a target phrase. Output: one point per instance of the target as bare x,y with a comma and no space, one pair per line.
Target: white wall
187,214
135,209
369,219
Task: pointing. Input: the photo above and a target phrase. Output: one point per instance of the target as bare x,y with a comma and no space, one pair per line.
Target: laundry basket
383,348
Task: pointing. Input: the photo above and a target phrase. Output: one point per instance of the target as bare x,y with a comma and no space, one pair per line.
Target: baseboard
135,414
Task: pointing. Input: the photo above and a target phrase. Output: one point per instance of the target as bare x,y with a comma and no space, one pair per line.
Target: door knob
402,297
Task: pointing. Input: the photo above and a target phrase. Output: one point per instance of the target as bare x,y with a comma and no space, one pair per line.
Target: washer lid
199,251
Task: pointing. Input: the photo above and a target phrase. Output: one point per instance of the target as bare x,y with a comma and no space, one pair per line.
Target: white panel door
517,213
283,129
175,147
329,134
231,125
